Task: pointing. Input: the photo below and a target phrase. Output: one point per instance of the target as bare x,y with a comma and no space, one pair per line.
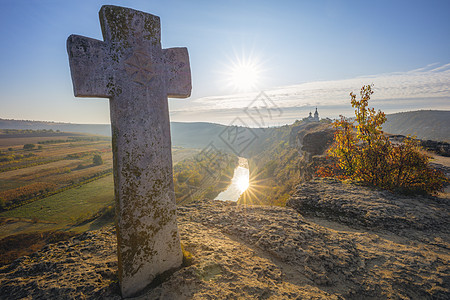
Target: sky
254,63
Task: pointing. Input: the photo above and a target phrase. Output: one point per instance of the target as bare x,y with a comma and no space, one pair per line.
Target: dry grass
17,142
32,222
65,149
60,166
18,245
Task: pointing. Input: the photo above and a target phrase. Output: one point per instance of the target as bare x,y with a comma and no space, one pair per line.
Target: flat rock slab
362,206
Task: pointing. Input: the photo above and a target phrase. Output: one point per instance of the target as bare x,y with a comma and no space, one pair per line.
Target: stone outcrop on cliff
370,208
438,147
317,142
311,140
311,137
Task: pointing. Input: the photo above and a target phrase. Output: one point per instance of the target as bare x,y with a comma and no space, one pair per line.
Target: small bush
363,153
29,146
97,160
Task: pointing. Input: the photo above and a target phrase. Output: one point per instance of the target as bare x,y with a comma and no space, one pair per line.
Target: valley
55,184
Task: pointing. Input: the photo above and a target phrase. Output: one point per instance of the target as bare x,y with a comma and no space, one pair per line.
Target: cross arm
178,72
89,67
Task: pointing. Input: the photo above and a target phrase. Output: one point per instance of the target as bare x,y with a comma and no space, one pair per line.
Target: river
239,182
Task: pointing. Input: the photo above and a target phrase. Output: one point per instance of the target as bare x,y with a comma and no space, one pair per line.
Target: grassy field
18,141
72,206
54,190
16,157
46,169
64,188
61,211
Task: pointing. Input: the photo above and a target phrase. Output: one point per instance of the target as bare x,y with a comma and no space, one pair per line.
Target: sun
244,74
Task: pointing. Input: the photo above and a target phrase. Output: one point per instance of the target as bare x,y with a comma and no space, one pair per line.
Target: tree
28,146
97,160
365,154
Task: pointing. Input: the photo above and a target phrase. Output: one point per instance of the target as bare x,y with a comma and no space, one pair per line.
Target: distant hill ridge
188,135
424,124
98,129
178,128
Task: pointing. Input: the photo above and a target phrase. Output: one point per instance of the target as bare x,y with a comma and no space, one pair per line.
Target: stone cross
130,68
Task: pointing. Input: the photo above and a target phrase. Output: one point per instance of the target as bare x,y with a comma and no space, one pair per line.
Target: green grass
69,206
64,210
63,214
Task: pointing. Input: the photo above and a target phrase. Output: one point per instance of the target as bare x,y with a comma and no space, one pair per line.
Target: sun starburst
243,73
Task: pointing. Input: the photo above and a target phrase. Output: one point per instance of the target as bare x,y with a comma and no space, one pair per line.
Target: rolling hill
188,135
424,124
97,129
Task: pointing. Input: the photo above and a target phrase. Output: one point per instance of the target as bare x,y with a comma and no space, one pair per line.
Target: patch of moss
152,26
115,21
188,258
113,89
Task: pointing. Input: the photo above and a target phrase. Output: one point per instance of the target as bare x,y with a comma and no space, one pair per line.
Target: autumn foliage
362,152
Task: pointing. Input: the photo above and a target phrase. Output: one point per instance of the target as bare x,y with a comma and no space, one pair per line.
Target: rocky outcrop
373,209
249,252
84,266
440,148
299,131
317,142
311,141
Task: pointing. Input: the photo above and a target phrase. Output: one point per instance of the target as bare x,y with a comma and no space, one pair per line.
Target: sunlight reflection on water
239,183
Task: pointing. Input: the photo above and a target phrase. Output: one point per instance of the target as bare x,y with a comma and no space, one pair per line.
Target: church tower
316,116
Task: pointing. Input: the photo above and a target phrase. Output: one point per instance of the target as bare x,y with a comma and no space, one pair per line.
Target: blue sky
309,53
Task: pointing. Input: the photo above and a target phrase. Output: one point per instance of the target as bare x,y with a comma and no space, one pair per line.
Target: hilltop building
310,118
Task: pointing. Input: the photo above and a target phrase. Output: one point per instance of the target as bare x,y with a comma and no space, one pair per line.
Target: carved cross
131,69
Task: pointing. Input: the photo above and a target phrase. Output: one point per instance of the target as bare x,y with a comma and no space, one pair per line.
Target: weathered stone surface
248,252
312,141
438,147
130,68
313,138
317,142
362,206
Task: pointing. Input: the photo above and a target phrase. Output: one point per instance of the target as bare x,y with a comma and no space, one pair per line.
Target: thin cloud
423,88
